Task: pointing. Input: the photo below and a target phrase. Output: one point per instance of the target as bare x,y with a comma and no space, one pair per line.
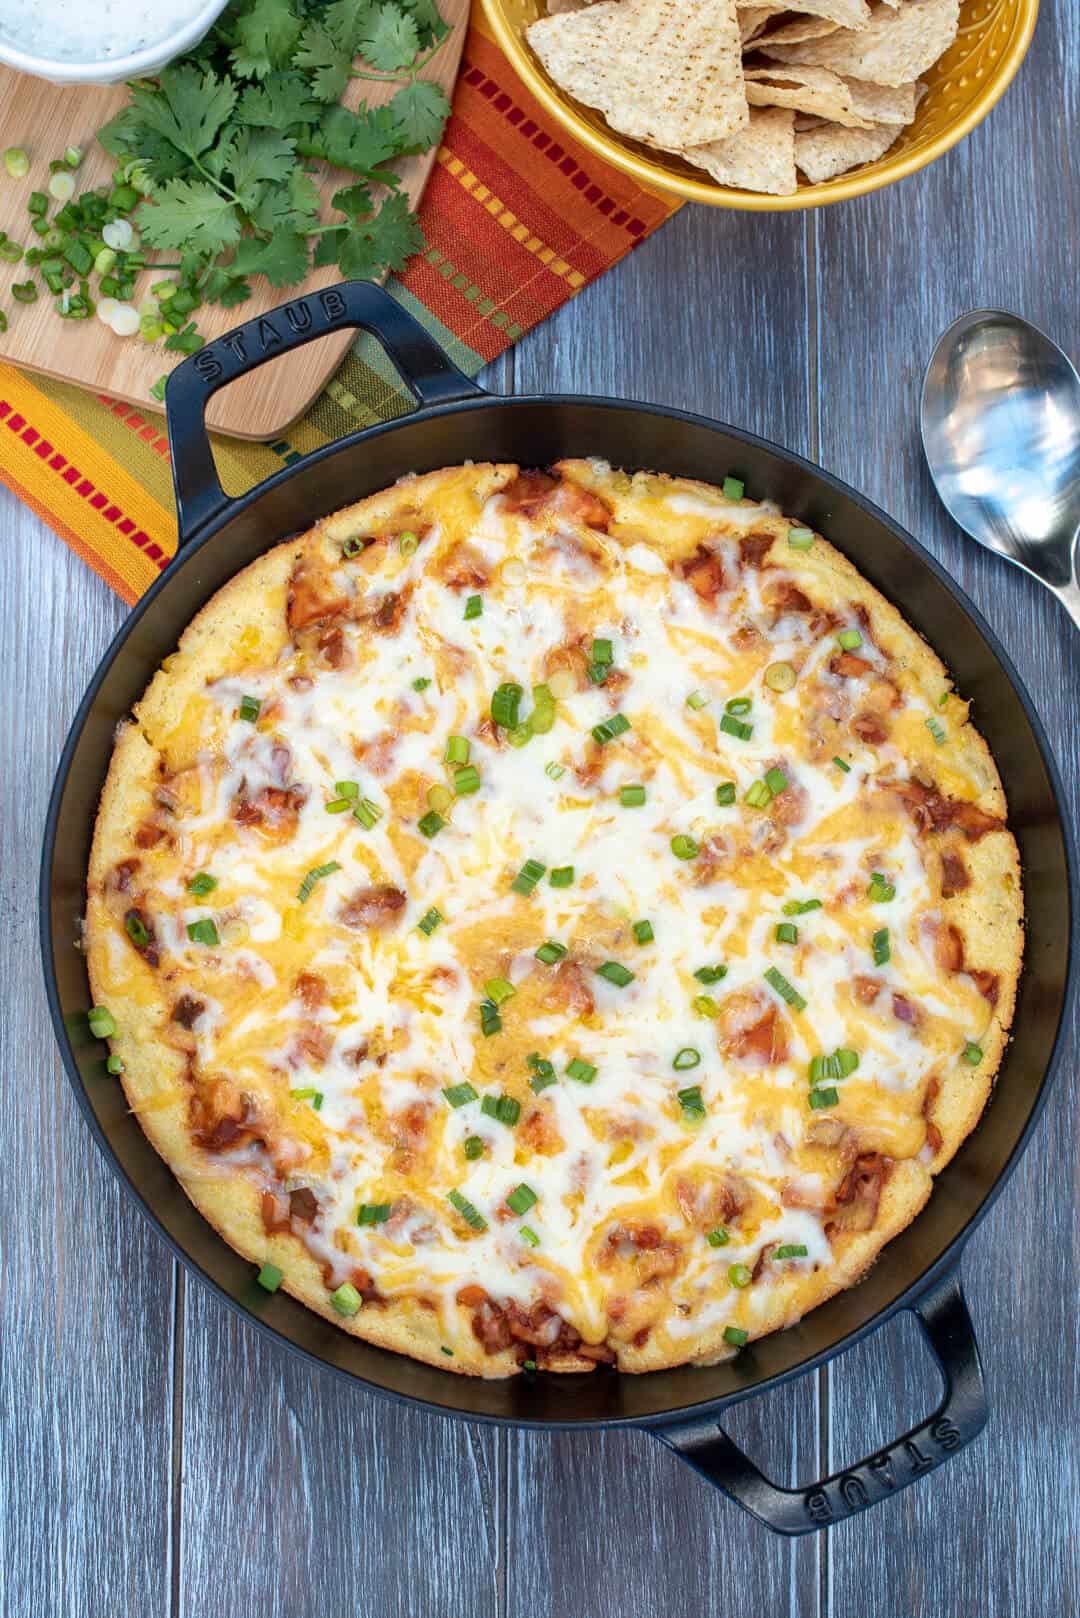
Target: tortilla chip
760,157
658,70
843,13
881,103
824,153
752,19
793,33
806,89
894,48
557,7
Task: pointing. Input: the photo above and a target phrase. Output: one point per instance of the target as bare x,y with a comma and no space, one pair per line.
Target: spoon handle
1069,596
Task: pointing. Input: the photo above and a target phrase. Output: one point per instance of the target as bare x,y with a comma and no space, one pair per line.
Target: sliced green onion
936,729
543,1072
102,1022
439,798
740,1275
114,1065
465,1208
718,1237
499,990
490,1021
800,539
691,1104
502,1108
686,1059
303,892
816,1069
408,543
421,684
431,824
352,547
786,932
734,488
249,709
824,1098
473,1148
608,729
505,703
615,973
459,1095
136,930
550,952
466,780
725,793
710,974
528,877
846,1060
705,1005
61,187
554,771
758,795
972,1053
544,711
367,813
841,764
583,1072
780,677
529,1236
792,1250
562,876
736,1336
346,1300
787,992
801,907
684,847
603,652
521,1199
776,781
338,806
17,163
643,932
269,1277
881,890
849,639
430,920
373,1213
881,947
457,750
739,706
697,699
736,727
37,203
520,734
474,607
203,932
632,796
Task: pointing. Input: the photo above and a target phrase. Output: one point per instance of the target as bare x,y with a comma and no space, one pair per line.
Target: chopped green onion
203,932
37,203
347,789
824,1098
800,539
684,847
542,718
269,1277
346,1300
881,947
61,187
608,729
583,1072
801,907
551,952
102,1022
603,652
352,547
776,781
734,488
710,974
430,824
705,1005
740,1275
697,699
367,813
787,992
466,780
693,1107
520,734
936,729
338,806
881,890
846,1060
792,1250
303,893
972,1053
373,1213
780,677
457,750
725,793
736,1336
528,1365
474,607
449,1352
736,727
543,1073
249,709
499,990
739,706
17,163
408,542
421,684
598,672
466,1210
718,1237
561,876
430,920
686,1059
474,1148
758,795
521,1199
114,1065
786,932
554,771
529,1236
643,932
841,764
136,930
459,1095
849,639
616,973
502,1108
505,703
490,1021
528,877
632,796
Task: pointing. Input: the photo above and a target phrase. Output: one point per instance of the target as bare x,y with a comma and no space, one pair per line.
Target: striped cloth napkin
517,218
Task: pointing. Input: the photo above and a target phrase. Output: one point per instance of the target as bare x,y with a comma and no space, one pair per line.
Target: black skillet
457,421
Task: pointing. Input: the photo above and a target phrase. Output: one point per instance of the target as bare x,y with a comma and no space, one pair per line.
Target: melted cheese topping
343,1030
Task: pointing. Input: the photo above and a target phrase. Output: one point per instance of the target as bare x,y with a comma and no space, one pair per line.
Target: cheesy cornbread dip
546,919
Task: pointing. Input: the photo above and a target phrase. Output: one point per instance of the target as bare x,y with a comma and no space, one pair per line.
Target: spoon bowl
1000,426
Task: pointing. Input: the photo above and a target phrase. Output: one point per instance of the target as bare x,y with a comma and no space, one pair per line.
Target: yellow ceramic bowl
963,86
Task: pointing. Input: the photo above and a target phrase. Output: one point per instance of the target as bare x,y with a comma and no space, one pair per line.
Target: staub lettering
298,316
268,335
207,367
234,342
817,1506
333,304
853,1493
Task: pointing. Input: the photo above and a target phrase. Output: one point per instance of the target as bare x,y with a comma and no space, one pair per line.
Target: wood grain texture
289,1493
47,118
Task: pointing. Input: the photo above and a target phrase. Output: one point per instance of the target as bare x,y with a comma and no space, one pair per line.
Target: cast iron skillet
457,421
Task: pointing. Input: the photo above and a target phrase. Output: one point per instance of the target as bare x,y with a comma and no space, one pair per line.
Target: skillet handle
431,377
943,1314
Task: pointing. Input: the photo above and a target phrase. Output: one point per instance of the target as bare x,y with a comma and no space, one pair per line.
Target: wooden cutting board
46,118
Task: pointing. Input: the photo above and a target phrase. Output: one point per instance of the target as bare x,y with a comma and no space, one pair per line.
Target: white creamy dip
61,31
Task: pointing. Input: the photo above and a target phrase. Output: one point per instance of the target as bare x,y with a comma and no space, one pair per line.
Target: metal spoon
1001,430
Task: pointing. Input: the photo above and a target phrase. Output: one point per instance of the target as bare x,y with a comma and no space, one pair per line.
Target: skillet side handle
430,376
943,1314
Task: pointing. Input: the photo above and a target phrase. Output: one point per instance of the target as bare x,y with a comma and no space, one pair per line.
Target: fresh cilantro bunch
217,143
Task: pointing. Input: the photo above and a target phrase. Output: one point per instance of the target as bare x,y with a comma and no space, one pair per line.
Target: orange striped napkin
517,219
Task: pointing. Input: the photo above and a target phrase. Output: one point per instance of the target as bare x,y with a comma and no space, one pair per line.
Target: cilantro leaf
327,249
386,240
189,214
325,60
304,196
420,110
283,259
260,155
355,200
391,40
281,100
428,21
266,37
346,21
189,108
358,141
